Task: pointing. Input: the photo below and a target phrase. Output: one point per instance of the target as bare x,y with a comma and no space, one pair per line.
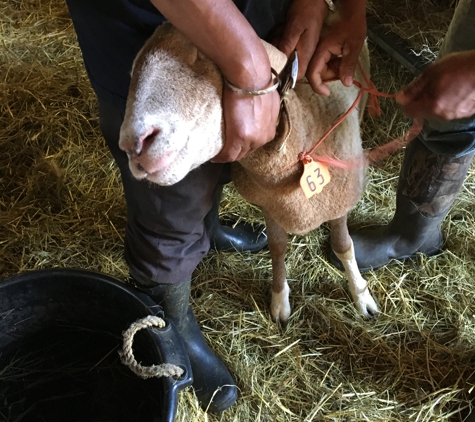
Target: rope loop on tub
127,355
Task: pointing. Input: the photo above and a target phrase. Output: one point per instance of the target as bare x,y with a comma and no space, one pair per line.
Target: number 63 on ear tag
315,176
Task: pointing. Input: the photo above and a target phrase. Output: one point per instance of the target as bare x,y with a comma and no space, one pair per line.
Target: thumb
348,64
287,40
412,91
401,98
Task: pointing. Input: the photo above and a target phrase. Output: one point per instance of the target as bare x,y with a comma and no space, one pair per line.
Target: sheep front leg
277,241
342,245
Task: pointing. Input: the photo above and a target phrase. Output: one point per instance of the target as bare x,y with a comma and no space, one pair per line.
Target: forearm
220,31
353,13
350,9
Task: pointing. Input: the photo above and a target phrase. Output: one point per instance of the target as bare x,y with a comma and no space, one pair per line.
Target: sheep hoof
366,305
281,316
280,307
282,324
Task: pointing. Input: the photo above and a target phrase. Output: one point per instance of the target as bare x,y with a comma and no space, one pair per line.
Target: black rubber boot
213,384
428,186
230,237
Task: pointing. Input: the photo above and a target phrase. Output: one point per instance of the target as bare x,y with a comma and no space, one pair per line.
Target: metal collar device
288,75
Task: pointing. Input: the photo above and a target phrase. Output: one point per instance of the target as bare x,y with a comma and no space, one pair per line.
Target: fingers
305,49
289,39
238,145
316,67
250,122
415,98
445,90
326,65
304,40
412,91
349,61
341,45
237,148
230,152
323,68
303,25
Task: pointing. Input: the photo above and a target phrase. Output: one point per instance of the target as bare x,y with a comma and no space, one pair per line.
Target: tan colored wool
174,109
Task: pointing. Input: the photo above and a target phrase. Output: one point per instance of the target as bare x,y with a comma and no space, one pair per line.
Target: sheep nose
143,141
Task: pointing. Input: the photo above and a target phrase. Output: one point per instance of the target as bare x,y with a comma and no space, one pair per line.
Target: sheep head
173,120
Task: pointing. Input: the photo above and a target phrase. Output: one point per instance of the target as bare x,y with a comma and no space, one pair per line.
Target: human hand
302,30
221,32
336,55
250,122
445,90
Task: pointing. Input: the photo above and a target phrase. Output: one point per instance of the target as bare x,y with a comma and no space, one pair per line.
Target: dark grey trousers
165,236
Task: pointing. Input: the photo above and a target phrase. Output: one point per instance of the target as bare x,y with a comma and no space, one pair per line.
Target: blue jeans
456,137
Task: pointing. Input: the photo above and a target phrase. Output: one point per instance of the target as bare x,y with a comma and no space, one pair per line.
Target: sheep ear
276,57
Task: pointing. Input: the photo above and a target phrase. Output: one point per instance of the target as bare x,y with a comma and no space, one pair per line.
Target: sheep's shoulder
270,177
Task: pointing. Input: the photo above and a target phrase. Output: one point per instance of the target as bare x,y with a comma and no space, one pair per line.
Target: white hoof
366,304
280,305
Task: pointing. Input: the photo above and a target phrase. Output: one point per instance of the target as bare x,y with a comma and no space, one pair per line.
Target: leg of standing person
433,171
165,236
165,240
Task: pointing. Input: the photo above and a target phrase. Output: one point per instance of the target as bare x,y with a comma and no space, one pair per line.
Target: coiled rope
127,355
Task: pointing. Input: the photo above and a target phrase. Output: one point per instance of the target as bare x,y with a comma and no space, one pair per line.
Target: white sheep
174,123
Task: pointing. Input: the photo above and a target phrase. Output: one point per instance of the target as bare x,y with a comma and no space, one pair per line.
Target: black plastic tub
60,334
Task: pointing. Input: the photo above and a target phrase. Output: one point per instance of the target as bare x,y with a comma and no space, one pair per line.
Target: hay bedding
61,205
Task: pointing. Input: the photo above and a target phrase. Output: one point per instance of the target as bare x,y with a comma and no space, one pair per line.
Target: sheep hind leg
342,245
277,242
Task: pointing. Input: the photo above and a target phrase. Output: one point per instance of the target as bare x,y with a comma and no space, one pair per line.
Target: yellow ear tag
315,176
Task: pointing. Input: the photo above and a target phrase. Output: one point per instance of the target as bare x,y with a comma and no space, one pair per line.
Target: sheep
174,123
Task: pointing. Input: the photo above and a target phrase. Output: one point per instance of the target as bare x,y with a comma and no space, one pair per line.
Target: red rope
381,152
373,155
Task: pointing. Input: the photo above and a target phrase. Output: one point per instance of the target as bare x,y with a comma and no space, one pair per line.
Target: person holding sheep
436,163
168,228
